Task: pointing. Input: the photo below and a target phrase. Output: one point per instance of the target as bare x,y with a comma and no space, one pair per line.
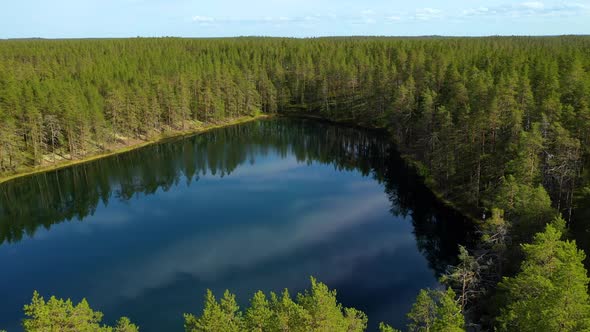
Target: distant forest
499,127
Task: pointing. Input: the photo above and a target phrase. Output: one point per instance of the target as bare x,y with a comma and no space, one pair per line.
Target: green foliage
259,314
526,166
386,328
326,313
287,314
315,310
465,278
125,325
494,231
470,118
436,311
550,293
507,131
217,316
529,207
63,316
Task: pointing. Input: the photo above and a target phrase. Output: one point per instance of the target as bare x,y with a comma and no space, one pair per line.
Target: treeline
499,126
316,309
483,115
58,315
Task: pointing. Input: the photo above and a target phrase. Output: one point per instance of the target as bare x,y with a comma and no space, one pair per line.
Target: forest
499,127
316,309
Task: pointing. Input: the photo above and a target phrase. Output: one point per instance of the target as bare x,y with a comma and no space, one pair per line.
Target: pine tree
223,316
550,293
57,315
436,311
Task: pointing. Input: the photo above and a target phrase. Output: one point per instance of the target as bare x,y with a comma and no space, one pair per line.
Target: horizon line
293,37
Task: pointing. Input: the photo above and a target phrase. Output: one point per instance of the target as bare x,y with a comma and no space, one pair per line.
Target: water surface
262,205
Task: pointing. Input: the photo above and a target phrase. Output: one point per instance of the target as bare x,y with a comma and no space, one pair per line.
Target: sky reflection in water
262,205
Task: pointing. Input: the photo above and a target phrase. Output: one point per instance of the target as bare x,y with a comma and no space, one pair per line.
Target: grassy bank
128,147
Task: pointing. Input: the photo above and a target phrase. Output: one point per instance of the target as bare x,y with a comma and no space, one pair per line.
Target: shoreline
428,181
126,148
410,162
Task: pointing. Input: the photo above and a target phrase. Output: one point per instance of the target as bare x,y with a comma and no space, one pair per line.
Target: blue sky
296,18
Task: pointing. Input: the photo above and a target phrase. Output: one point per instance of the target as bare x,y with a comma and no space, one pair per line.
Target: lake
261,205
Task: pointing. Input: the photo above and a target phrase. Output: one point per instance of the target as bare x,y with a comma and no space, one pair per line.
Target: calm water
262,205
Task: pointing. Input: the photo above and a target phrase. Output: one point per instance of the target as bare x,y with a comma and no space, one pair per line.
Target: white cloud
529,9
535,5
393,18
213,256
475,11
310,18
425,14
369,16
203,19
273,20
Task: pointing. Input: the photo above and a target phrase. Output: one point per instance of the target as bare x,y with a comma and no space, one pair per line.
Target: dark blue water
263,205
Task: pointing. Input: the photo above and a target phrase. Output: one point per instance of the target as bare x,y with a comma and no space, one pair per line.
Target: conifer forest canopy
498,128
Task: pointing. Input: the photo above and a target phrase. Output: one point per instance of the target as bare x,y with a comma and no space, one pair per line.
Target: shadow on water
40,202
